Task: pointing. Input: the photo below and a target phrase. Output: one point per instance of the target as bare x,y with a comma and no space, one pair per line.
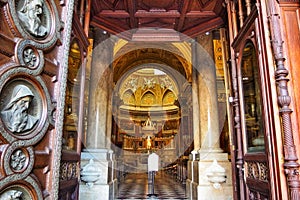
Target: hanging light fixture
148,125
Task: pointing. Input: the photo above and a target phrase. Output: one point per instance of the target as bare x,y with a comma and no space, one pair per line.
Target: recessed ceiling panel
190,17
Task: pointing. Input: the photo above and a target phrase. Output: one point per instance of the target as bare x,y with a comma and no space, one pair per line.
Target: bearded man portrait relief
30,15
15,114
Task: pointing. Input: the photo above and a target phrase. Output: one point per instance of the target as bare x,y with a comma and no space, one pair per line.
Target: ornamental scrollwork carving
132,84
166,82
29,57
293,174
263,171
69,170
18,160
258,171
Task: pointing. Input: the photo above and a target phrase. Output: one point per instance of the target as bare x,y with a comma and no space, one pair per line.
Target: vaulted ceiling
189,17
140,56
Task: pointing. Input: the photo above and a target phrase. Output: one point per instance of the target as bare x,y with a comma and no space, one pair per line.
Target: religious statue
15,114
148,142
31,17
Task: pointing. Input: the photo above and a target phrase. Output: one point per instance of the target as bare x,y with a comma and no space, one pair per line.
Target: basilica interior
131,99
152,105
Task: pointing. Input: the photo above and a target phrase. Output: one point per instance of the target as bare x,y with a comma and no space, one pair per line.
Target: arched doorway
152,114
39,155
148,120
174,85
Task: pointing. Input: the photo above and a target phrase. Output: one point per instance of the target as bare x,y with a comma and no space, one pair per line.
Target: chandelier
148,125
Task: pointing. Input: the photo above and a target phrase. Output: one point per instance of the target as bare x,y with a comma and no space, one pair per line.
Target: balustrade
239,12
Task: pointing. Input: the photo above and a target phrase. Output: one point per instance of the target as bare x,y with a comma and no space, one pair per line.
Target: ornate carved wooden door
252,117
34,38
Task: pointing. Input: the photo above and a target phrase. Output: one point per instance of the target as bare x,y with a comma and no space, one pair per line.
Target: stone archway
200,105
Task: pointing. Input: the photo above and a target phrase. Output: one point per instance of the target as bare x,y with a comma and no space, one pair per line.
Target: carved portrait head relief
32,17
15,114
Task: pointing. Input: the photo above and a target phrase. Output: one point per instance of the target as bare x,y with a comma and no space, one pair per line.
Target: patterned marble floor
135,186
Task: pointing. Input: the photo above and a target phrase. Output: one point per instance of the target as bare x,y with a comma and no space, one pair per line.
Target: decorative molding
235,99
12,174
8,155
264,171
31,180
291,164
132,84
149,83
59,113
257,170
92,173
69,170
9,21
18,160
30,57
136,86
216,174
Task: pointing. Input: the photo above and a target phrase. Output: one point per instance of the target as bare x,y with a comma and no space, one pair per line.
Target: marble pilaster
208,154
98,178
208,100
101,83
196,119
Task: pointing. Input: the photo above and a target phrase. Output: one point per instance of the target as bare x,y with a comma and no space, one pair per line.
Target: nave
135,186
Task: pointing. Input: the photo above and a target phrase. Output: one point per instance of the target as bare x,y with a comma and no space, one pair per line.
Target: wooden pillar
291,164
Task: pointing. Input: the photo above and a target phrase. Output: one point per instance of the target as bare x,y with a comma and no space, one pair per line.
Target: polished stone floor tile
135,186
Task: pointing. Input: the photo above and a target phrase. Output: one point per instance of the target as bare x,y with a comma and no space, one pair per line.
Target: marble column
196,119
98,178
99,117
209,163
208,100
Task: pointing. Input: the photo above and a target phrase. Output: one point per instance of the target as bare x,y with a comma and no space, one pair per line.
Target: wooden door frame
70,160
252,30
